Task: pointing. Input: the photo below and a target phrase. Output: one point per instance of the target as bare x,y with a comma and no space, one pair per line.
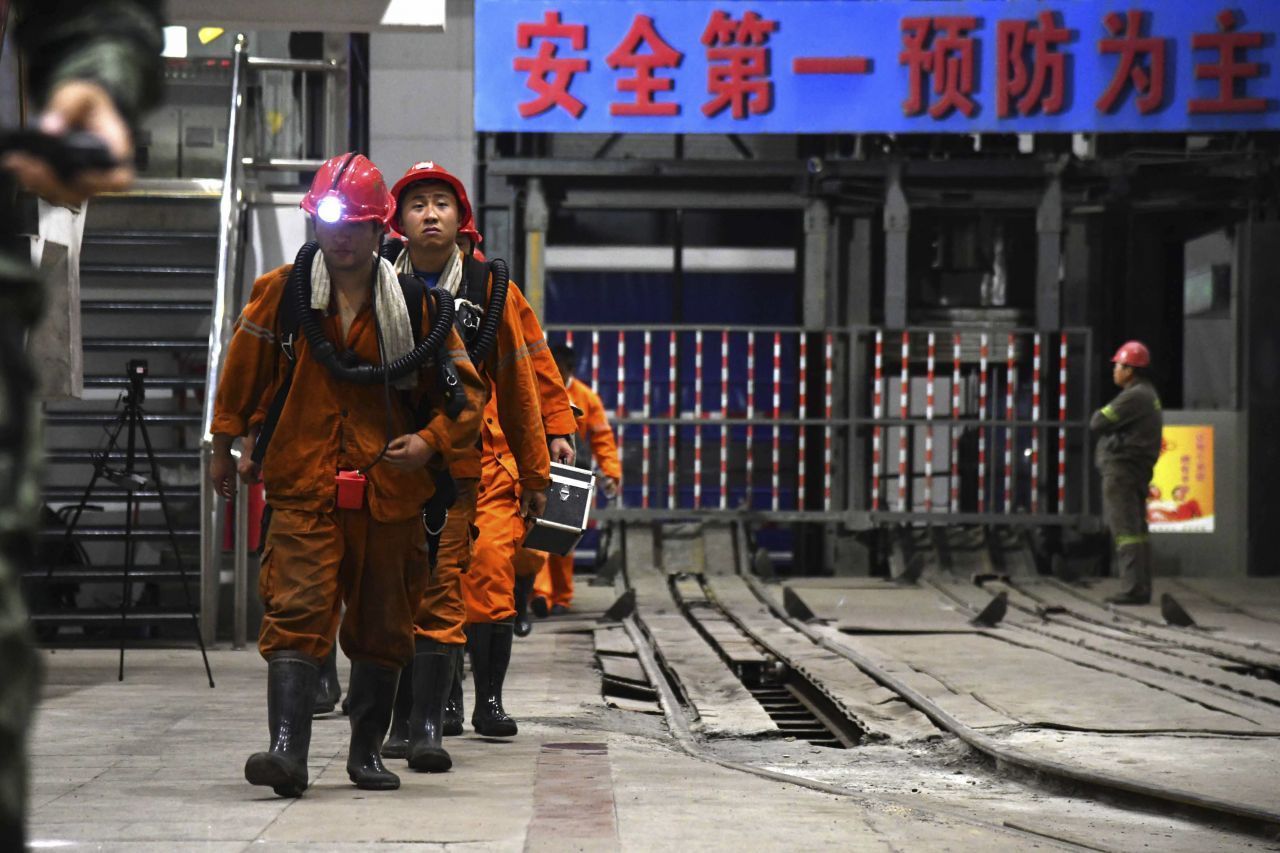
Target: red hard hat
427,170
1133,354
349,188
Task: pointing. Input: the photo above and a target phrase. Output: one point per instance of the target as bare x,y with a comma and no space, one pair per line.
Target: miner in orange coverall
347,461
432,212
489,584
553,587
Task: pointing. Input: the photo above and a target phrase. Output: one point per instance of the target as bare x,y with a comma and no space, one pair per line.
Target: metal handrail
281,164
266,63
224,302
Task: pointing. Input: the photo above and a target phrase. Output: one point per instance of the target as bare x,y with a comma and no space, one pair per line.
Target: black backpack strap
475,281
414,290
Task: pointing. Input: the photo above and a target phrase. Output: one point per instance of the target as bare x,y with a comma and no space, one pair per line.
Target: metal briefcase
569,500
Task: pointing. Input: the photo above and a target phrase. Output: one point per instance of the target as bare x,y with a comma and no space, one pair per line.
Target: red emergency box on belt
569,500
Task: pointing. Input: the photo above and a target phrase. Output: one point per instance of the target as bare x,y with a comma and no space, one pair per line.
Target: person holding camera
93,67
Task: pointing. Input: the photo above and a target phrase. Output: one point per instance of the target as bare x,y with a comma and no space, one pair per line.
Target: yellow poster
1180,499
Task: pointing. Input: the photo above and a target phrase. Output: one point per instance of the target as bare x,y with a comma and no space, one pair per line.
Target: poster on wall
1180,499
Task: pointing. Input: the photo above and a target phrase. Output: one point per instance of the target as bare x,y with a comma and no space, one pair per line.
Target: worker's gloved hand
250,472
532,504
222,471
409,451
609,486
78,105
562,451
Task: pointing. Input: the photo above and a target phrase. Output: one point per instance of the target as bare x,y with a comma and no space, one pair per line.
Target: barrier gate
861,425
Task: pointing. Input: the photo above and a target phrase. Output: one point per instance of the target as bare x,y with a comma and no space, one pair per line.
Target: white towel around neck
392,313
450,276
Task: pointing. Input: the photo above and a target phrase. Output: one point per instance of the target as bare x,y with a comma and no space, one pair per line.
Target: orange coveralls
318,556
489,585
555,573
513,409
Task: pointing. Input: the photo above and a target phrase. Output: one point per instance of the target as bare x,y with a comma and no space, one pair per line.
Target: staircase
147,280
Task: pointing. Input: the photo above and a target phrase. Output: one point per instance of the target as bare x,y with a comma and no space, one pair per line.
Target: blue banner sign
868,66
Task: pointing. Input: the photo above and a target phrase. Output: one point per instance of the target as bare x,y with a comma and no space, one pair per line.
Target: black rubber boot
524,589
490,646
291,688
454,712
372,692
397,743
328,690
433,667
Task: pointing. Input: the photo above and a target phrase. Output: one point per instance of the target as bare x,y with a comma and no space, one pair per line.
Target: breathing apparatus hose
353,370
480,347
485,337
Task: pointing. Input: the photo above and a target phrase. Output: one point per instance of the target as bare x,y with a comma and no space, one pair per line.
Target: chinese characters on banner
1180,499
1017,66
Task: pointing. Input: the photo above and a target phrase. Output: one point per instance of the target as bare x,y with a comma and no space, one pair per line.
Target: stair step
103,493
144,269
91,418
142,237
150,306
139,532
134,343
71,455
89,574
88,617
151,382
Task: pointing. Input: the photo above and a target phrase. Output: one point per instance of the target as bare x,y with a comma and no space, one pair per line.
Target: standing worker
553,588
1130,433
91,67
344,463
434,215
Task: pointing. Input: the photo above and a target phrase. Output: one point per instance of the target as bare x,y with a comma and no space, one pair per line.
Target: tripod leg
173,540
99,464
126,585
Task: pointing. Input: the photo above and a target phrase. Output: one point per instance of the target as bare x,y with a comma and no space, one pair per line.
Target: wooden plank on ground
613,641
881,712
1189,677
1078,602
623,669
889,608
1038,688
724,706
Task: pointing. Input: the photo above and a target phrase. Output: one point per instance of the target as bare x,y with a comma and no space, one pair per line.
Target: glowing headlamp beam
330,209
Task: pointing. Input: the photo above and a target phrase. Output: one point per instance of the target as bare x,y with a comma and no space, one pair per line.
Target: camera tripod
130,421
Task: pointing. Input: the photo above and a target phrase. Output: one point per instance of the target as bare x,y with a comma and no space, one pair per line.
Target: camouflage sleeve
115,43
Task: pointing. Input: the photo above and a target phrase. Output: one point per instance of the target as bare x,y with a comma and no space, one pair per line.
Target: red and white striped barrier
827,377
775,483
904,412
645,450
877,407
928,430
1035,430
672,393
595,361
984,355
724,414
1062,424
1011,377
622,399
801,491
954,431
751,413
697,419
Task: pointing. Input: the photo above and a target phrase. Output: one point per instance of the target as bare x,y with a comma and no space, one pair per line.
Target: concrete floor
156,764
